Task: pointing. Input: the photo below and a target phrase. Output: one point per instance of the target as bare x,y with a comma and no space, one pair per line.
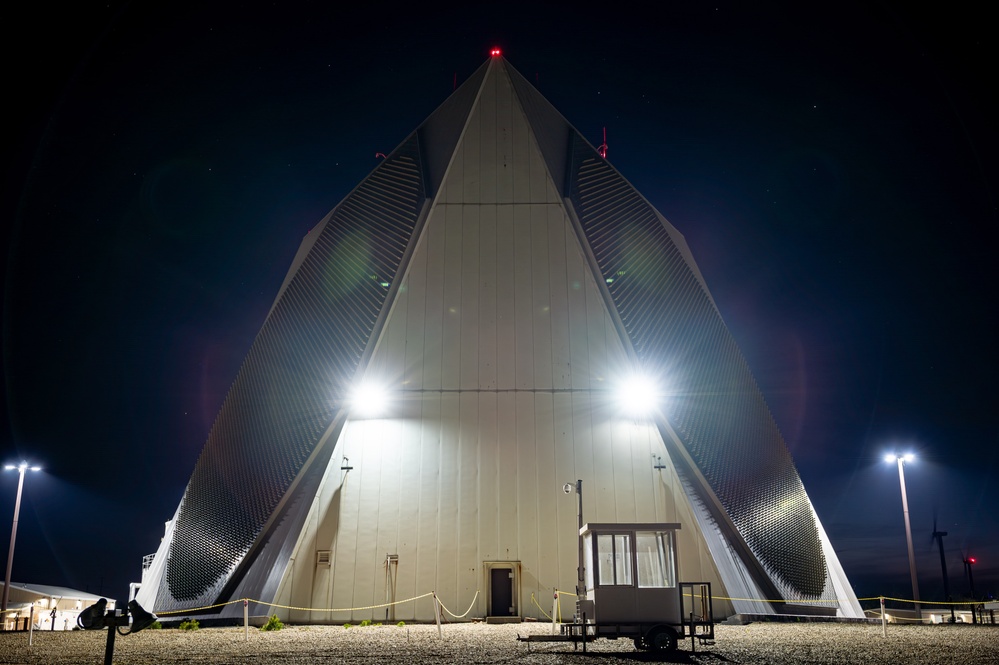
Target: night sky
834,173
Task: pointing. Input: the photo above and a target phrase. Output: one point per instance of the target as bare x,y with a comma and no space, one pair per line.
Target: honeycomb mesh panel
715,406
293,380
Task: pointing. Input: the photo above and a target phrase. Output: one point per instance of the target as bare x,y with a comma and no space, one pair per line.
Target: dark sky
833,171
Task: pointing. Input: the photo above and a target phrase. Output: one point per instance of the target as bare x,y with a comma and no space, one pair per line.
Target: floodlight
93,617
369,399
638,395
140,617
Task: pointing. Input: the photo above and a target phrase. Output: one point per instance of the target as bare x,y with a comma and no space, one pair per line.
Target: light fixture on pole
580,576
901,460
21,468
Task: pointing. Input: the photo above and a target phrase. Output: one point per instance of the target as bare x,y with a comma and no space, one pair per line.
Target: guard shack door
631,572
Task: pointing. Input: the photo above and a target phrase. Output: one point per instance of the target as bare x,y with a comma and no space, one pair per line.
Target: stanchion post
31,625
437,616
554,608
111,621
884,621
246,620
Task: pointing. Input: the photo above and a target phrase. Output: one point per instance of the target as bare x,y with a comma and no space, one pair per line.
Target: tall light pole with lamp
901,460
21,468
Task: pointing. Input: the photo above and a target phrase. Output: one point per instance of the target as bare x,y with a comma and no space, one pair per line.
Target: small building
55,607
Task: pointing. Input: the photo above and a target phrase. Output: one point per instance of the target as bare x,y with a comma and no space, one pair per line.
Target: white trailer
629,587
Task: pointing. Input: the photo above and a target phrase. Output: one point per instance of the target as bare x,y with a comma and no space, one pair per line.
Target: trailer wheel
641,644
661,638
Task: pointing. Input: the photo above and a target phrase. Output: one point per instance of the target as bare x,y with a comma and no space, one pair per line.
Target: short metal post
554,608
31,625
437,616
246,620
884,620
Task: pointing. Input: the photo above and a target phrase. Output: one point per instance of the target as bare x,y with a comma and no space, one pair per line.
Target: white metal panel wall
449,490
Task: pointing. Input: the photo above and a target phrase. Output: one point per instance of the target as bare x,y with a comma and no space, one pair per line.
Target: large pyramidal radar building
499,279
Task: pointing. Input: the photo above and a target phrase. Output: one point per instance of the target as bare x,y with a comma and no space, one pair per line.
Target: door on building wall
501,592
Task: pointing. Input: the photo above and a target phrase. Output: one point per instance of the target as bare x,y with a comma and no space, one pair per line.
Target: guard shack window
614,559
655,558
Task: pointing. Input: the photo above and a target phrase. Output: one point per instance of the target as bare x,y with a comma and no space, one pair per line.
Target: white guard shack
631,589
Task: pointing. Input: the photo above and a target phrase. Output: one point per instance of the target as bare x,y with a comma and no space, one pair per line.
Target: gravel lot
480,643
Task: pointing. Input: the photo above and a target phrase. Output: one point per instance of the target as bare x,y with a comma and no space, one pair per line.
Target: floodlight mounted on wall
638,395
369,399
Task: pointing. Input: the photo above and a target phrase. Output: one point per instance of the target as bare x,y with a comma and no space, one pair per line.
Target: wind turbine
969,561
939,536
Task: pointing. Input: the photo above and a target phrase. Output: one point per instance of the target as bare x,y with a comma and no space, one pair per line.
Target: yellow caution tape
459,616
342,609
291,607
534,600
196,609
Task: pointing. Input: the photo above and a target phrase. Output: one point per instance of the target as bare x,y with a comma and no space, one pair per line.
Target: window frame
617,557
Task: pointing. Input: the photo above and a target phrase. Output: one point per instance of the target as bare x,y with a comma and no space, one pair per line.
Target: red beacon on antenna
495,52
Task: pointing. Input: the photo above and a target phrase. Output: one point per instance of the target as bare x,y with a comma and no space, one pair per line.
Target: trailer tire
661,639
641,644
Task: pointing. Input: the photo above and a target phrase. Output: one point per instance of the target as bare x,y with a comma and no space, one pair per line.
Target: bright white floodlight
369,400
638,395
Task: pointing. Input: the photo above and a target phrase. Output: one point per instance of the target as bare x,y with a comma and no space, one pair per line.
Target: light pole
901,460
580,577
21,468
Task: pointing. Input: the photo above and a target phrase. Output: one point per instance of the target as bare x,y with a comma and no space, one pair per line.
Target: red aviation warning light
495,52
972,559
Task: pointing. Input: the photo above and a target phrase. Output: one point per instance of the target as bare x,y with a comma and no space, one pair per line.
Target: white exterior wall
501,352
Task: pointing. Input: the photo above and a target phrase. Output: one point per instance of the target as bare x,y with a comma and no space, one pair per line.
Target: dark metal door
501,589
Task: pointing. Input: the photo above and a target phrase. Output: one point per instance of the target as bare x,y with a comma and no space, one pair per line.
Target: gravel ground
479,643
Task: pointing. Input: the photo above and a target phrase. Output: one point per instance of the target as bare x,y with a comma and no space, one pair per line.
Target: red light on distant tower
495,52
972,559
